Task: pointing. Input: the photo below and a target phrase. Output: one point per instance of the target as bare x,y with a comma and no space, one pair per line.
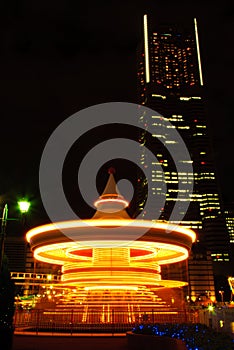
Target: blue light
192,335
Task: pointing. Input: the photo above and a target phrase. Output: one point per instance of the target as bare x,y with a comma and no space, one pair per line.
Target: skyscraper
170,82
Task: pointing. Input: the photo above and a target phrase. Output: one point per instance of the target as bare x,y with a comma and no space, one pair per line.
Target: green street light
23,206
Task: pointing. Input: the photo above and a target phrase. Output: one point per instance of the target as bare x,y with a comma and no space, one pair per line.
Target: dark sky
57,57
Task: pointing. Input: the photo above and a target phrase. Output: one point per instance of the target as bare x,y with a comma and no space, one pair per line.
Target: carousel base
62,308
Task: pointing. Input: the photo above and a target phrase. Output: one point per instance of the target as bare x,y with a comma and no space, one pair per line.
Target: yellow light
128,287
167,253
109,223
114,268
114,200
211,308
221,323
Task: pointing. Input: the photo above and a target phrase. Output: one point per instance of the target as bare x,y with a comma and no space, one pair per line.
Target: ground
22,342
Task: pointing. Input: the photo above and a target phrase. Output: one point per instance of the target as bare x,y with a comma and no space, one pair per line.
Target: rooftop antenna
198,51
146,46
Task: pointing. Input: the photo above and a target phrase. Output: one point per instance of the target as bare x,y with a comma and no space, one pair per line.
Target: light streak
110,201
198,52
128,287
109,223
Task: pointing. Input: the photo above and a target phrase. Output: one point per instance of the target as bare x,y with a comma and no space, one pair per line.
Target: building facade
200,276
229,217
27,273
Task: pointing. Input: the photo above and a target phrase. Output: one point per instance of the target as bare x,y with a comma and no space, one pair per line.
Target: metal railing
72,321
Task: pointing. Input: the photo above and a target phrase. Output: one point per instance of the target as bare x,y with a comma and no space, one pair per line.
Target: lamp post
23,207
221,292
3,232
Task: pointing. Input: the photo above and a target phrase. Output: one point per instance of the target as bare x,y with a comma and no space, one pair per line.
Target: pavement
70,342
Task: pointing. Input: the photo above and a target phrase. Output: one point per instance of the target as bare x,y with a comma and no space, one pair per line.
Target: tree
7,295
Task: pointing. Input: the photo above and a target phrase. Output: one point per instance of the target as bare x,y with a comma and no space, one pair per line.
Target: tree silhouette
7,293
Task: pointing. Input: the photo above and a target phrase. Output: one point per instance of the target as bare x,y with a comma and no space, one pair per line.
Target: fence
75,321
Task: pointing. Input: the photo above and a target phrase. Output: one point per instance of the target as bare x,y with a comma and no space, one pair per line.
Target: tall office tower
170,82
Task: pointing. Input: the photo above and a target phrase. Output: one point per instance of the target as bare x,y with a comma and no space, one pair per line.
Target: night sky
57,57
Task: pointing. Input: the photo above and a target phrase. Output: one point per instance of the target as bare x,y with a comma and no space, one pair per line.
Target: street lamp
221,292
23,207
210,308
3,232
